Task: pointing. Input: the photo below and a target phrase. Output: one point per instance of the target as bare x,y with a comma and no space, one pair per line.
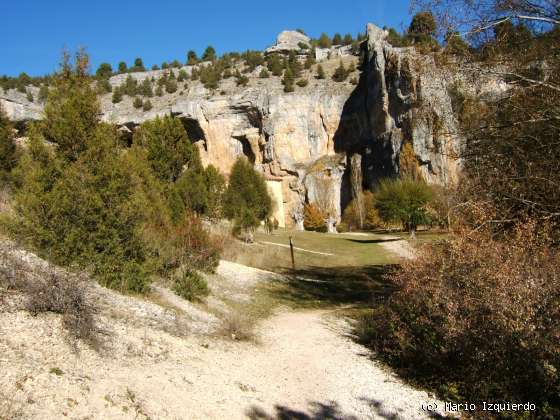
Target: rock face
303,141
288,41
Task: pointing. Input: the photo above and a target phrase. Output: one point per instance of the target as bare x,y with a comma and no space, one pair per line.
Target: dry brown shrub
478,317
47,289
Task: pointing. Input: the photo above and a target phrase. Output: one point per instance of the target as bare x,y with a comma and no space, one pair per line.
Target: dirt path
302,365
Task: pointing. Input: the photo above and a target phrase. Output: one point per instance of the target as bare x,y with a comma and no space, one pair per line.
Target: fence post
293,259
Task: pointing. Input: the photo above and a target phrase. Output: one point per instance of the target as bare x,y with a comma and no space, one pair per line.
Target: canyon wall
311,144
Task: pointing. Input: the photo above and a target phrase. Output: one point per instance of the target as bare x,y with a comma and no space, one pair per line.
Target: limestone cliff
305,141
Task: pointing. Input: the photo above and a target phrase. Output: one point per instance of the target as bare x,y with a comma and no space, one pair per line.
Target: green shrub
190,285
302,82
117,95
29,96
405,201
264,74
171,86
147,105
137,103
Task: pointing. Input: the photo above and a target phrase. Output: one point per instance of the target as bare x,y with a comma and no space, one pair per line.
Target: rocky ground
164,358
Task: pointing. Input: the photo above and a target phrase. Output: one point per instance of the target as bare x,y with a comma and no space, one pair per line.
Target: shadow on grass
372,241
354,287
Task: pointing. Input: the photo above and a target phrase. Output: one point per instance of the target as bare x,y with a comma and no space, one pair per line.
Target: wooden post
293,260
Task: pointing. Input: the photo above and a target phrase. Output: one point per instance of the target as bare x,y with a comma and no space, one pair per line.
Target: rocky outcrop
302,141
288,41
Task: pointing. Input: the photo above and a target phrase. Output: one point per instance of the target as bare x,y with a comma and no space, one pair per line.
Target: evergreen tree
138,65
246,200
155,67
288,80
264,74
8,158
72,111
122,67
310,59
159,91
294,64
146,88
137,103
29,96
171,86
215,188
130,86
117,95
340,74
276,66
209,54
147,105
192,58
337,39
320,72
104,71
348,39
423,27
324,41
167,145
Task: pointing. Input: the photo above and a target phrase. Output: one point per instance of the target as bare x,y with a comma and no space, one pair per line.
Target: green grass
348,251
352,277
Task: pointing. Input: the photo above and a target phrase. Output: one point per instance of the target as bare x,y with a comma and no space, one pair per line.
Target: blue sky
34,32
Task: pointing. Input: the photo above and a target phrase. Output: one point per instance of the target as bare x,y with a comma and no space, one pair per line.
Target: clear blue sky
34,32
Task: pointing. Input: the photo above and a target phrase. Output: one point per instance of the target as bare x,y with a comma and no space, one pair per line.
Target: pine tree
147,105
324,41
320,72
276,66
171,86
288,80
209,54
310,59
130,86
72,111
348,39
8,157
264,74
146,88
167,145
337,39
137,103
192,59
117,95
104,71
43,93
29,96
159,91
246,200
122,67
340,74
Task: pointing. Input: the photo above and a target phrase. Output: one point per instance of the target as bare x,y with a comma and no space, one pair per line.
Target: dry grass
47,289
238,327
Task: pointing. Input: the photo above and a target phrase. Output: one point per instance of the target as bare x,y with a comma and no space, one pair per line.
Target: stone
288,41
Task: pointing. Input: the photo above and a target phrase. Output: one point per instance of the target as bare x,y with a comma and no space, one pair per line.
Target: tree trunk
412,231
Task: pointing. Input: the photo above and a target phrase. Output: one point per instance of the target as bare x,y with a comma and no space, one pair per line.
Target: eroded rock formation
302,139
